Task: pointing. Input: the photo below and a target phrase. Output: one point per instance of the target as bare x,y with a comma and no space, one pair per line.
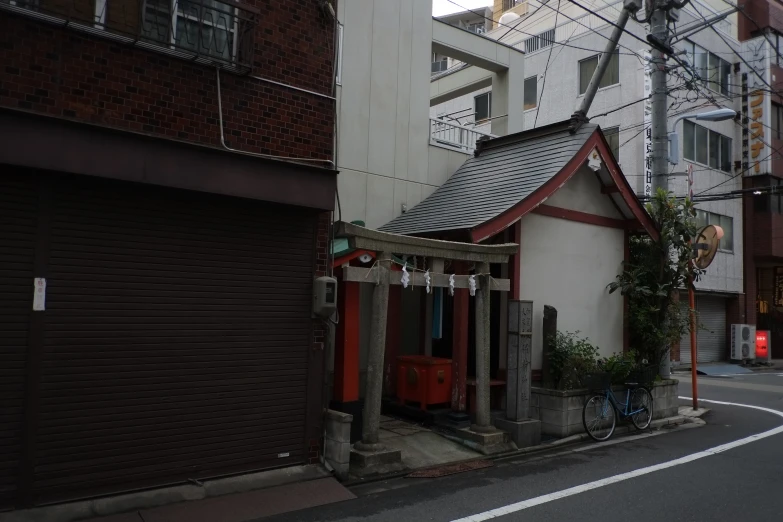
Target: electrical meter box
325,296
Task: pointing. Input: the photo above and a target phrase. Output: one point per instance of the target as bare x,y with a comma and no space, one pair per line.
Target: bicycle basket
598,381
643,376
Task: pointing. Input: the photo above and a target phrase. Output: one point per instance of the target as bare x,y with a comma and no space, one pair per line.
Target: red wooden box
423,379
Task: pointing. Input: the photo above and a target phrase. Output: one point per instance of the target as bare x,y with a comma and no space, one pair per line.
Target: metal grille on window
547,38
212,32
205,26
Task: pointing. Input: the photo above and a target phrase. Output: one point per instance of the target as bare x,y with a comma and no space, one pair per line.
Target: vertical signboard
756,108
647,167
778,286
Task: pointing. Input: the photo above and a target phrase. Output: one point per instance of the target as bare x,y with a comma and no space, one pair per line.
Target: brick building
166,183
760,28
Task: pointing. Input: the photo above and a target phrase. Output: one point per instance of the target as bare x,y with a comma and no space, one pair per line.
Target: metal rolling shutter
711,337
178,331
18,226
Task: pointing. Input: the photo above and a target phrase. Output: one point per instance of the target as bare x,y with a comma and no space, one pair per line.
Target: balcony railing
456,137
212,32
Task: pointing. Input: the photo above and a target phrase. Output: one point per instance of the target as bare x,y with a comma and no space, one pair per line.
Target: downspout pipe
253,154
580,116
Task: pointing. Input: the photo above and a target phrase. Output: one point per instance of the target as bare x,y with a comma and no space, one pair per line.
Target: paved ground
743,483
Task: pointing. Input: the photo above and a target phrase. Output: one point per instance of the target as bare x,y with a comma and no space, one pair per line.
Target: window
612,135
508,4
725,153
701,144
200,31
706,147
587,68
531,92
704,218
713,70
776,120
207,27
482,105
439,66
477,28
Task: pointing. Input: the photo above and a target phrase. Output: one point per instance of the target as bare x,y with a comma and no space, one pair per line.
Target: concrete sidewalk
241,507
421,447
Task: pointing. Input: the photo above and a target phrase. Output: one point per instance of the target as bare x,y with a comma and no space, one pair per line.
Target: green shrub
570,357
619,365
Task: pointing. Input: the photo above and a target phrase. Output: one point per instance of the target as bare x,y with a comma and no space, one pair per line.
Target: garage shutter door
177,338
711,337
18,225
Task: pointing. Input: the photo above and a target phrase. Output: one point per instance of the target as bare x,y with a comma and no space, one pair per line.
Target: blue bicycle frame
626,405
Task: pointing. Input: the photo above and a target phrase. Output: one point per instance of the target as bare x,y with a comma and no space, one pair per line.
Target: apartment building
562,51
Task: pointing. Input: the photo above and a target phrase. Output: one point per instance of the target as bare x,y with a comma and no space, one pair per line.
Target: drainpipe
580,116
253,154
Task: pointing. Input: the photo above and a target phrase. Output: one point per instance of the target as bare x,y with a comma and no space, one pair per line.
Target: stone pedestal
488,443
337,442
523,430
375,460
524,434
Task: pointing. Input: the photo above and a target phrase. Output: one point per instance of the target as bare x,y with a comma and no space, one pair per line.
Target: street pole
692,311
660,138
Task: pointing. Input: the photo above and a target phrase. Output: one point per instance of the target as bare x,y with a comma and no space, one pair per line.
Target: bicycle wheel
643,401
599,418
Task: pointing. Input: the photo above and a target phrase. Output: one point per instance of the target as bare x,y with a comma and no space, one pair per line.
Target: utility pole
660,133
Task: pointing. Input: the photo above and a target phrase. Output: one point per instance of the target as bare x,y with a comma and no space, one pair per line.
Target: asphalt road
743,483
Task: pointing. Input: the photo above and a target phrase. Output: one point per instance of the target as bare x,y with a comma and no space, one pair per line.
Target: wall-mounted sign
647,167
762,344
39,294
778,286
756,108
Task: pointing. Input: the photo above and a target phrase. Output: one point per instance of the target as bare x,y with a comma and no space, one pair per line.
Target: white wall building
389,154
562,50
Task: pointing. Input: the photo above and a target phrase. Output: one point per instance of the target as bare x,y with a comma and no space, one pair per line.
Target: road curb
532,450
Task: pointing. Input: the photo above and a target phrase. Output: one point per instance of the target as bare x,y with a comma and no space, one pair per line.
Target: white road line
543,499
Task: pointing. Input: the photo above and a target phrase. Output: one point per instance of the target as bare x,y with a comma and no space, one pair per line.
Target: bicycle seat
633,385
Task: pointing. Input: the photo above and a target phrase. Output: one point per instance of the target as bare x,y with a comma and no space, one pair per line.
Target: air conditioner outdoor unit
743,342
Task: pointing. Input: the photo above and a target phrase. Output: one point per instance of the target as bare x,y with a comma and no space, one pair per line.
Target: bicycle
598,414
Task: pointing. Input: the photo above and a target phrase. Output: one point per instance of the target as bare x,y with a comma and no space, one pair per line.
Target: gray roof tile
506,171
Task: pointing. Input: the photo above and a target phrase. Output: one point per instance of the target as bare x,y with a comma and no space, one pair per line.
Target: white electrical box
743,342
324,296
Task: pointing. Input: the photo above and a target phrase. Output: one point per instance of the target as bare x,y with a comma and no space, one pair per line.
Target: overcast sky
444,7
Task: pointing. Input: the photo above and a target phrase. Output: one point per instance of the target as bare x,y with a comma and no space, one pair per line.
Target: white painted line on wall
543,499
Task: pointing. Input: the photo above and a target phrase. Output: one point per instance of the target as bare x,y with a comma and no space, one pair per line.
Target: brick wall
64,73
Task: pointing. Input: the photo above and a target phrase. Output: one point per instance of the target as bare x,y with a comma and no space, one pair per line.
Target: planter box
560,412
